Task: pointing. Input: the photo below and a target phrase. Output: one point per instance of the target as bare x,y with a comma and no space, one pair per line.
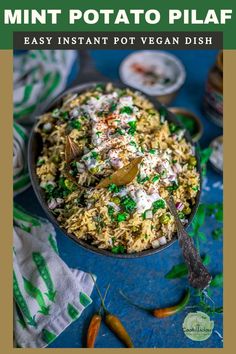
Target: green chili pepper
166,311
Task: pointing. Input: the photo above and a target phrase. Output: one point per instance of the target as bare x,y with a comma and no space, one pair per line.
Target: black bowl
35,148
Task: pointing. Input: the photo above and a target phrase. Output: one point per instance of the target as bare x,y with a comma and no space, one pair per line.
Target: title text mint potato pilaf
105,129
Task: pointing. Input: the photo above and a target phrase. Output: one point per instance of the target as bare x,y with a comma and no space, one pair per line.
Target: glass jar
213,99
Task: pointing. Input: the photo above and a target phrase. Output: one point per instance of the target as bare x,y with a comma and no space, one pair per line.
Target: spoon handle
199,277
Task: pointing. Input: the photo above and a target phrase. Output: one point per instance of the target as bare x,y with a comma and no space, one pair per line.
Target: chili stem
104,298
99,293
132,303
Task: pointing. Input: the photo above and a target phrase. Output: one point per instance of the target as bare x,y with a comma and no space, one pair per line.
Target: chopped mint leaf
75,124
128,204
113,188
127,110
156,178
152,151
158,204
121,217
118,249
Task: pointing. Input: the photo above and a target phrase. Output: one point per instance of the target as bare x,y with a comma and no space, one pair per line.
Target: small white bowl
156,73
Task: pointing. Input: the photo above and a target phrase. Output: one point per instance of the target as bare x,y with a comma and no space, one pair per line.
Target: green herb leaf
75,124
111,212
217,281
181,270
120,131
173,187
158,204
128,204
133,127
156,178
113,107
205,155
94,155
127,110
217,233
202,236
118,249
121,217
142,180
152,151
173,128
113,188
199,219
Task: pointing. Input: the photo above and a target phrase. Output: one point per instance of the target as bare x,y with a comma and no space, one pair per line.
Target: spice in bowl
156,73
190,122
216,158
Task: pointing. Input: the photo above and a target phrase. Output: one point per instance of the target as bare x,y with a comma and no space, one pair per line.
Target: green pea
69,184
164,219
192,161
116,200
181,215
187,210
56,159
94,170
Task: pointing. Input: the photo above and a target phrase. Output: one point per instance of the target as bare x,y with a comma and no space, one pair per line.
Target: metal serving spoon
199,277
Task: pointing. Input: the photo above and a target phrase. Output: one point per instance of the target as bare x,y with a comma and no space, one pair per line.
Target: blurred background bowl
157,73
190,121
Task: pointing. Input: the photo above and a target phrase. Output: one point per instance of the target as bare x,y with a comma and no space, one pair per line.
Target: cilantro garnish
121,217
152,151
75,124
126,109
128,204
155,178
111,211
94,155
133,127
120,131
113,107
173,128
113,188
158,204
142,180
57,113
173,187
40,162
118,249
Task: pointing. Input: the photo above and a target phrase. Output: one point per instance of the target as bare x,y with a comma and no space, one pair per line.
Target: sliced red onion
179,206
177,167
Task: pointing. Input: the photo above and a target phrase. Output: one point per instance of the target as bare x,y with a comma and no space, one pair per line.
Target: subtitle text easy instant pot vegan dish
109,160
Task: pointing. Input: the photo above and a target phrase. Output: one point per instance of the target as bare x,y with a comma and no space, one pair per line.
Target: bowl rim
182,110
39,192
175,87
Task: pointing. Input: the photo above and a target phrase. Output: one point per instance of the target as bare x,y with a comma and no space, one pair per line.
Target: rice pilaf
110,127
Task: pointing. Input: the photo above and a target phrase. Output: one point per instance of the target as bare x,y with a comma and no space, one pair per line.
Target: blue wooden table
143,279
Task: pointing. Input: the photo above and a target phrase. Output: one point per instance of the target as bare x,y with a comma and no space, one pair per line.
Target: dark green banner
117,16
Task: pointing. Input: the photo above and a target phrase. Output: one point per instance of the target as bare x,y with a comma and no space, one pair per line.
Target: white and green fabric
39,76
48,295
21,179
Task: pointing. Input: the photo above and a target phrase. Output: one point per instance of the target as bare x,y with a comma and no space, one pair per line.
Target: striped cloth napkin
39,76
48,295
